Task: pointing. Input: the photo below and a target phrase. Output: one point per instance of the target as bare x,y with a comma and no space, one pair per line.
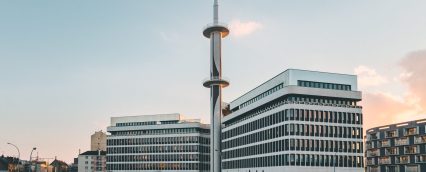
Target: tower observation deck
215,32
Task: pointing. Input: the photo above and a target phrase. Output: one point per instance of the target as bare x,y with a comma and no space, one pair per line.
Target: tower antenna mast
215,32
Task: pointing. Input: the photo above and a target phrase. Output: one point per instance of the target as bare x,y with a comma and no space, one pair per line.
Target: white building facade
299,121
92,161
156,143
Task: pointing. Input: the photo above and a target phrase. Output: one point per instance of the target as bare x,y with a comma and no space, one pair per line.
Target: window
392,169
419,139
401,141
385,143
391,151
411,150
384,160
373,152
412,168
374,169
393,133
402,160
410,131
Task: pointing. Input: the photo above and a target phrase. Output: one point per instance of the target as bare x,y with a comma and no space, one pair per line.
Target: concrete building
299,121
92,161
397,147
98,141
165,142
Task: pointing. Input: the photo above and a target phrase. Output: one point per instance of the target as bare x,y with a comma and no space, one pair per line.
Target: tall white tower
215,32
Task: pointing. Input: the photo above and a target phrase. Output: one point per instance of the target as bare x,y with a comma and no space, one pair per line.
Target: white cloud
368,77
241,29
168,37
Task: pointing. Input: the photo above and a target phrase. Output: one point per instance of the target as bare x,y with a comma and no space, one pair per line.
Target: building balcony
373,153
390,134
391,151
419,139
421,158
402,160
410,131
411,150
402,141
372,136
385,143
384,160
371,162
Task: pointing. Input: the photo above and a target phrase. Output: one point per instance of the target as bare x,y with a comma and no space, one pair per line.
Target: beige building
98,141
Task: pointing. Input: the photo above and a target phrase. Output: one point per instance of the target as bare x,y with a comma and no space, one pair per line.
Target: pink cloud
381,108
414,65
241,29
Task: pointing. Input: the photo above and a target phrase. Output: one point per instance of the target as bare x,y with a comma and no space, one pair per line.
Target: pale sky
66,67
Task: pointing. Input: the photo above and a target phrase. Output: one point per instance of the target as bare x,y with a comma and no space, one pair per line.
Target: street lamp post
334,161
19,153
31,156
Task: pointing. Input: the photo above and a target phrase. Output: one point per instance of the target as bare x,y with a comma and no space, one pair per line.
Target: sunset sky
66,67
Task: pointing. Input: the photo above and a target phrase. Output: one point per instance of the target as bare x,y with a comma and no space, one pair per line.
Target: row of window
296,160
322,100
290,99
158,140
162,157
297,145
395,142
400,132
296,130
158,149
401,141
159,166
295,114
262,95
324,85
413,149
394,168
405,159
136,123
160,131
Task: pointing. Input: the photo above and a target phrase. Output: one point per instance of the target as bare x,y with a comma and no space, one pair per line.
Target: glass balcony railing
385,160
403,160
372,153
385,143
410,131
419,139
401,141
411,150
421,159
390,134
370,162
391,151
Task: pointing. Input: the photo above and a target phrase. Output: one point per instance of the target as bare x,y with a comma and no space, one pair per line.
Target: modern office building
92,161
98,141
397,147
299,121
165,142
